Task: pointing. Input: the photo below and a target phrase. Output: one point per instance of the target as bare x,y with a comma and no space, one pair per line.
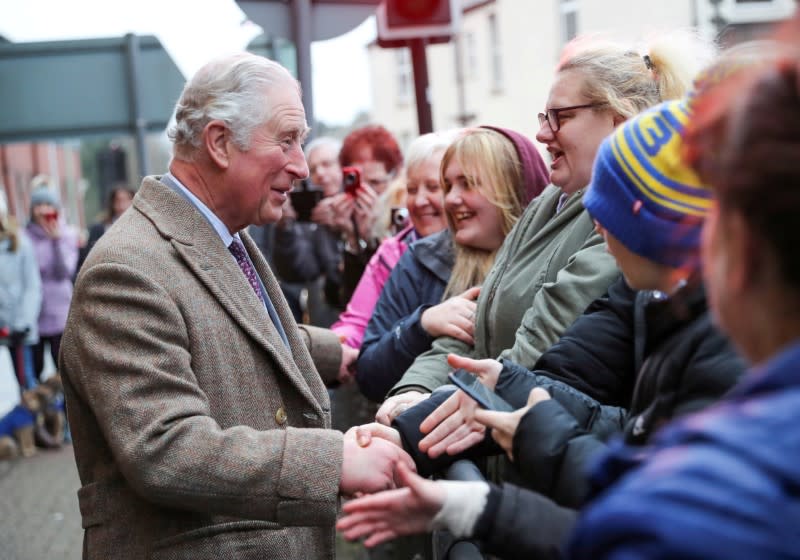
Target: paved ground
39,517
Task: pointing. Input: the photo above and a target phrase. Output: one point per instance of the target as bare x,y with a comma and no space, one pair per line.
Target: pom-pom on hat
644,194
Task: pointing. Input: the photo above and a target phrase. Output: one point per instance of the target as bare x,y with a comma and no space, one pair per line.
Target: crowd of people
629,307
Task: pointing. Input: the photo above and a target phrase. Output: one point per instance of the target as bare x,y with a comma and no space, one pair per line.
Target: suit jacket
197,432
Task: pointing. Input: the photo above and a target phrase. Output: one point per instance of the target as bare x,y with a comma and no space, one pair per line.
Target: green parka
549,269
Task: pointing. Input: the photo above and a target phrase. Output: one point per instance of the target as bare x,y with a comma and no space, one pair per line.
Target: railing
445,546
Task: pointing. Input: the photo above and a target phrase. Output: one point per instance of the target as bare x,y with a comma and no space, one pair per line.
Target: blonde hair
490,164
628,80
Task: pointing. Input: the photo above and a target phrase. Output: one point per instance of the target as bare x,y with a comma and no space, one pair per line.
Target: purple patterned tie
240,254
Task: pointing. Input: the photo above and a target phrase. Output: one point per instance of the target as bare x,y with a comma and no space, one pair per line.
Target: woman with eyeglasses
553,263
724,483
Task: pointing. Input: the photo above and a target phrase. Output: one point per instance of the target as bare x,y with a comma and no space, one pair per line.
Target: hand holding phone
485,397
351,180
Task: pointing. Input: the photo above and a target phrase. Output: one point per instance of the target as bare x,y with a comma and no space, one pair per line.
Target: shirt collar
212,218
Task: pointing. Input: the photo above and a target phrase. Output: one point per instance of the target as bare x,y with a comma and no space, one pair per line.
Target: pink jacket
353,321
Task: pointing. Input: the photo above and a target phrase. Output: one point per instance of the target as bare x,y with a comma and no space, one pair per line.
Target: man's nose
297,163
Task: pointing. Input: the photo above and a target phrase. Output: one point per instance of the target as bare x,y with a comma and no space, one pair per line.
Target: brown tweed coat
197,433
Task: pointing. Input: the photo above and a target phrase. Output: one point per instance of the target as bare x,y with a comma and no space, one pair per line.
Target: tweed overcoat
197,432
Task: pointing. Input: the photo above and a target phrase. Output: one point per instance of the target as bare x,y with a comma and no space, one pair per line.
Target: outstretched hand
452,428
395,513
504,424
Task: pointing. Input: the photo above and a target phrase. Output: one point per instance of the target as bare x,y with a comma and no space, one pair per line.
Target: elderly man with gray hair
199,415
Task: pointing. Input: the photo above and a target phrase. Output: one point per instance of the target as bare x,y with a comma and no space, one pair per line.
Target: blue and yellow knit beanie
644,194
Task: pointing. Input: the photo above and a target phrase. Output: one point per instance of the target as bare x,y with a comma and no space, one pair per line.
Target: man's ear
216,138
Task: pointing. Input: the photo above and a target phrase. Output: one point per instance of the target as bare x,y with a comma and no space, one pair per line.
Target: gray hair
323,142
230,89
425,146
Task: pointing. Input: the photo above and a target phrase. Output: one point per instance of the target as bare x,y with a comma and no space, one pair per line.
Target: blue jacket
723,483
394,336
20,289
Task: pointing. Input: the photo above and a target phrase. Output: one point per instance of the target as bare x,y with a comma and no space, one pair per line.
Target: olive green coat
550,267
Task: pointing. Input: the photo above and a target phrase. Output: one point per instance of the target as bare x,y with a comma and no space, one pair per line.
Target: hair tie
648,62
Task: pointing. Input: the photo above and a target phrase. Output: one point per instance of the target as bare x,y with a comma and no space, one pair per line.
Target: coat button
280,416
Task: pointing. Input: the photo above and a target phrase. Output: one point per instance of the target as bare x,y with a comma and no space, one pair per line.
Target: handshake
372,455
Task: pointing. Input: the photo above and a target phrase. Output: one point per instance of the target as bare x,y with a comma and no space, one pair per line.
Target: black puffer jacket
394,335
682,364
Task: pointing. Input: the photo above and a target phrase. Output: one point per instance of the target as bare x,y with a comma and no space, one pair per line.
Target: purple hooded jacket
57,259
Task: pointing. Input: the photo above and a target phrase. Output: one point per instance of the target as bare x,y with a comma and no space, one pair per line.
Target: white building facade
499,68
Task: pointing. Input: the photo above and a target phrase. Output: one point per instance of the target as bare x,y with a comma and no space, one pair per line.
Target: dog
38,420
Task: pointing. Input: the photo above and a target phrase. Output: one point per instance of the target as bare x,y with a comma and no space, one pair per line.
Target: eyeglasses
550,116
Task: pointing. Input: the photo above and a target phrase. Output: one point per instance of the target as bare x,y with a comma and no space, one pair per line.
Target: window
405,80
470,55
495,54
569,20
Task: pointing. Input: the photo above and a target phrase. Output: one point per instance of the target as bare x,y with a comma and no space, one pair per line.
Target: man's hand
366,432
504,424
454,317
347,368
372,468
452,428
388,515
393,406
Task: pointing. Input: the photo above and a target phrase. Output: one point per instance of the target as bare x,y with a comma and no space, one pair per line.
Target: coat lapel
205,255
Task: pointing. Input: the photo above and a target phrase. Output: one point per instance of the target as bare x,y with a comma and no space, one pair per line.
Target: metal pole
301,36
138,124
419,64
462,117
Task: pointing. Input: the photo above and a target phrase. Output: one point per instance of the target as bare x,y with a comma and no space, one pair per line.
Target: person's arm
587,276
553,450
512,522
520,523
408,424
430,368
158,422
594,359
32,284
325,349
394,335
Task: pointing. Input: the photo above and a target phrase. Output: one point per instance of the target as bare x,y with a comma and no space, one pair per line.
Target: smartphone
485,397
351,180
304,201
